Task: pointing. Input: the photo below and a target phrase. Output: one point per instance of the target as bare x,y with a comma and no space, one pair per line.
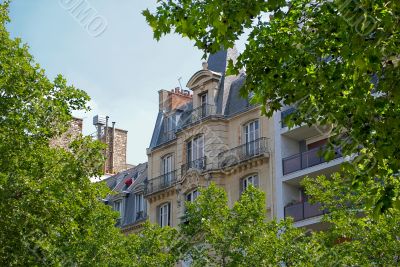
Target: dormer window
204,104
118,207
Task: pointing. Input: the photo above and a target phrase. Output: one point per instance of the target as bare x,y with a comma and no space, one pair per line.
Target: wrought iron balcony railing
160,183
198,164
242,153
197,114
167,136
140,215
306,159
304,210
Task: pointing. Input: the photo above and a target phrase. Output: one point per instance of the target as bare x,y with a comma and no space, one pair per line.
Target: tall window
251,134
118,207
139,206
167,169
247,181
165,214
195,152
203,103
191,196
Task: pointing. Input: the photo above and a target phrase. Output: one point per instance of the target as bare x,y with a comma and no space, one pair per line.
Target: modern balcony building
207,134
298,153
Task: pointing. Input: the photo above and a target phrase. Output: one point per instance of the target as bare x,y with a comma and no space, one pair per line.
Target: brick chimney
171,100
116,141
74,130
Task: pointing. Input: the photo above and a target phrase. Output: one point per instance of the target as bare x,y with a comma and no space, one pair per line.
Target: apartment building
127,198
207,134
298,154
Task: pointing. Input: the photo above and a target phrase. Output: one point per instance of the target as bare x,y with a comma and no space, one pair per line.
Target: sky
111,55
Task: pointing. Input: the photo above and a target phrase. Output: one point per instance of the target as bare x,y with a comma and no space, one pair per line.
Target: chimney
179,98
164,100
171,100
116,144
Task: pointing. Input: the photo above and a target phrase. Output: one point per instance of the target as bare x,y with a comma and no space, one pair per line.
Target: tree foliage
336,61
50,212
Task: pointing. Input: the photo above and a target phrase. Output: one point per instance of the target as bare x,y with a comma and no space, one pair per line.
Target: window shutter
169,214
241,186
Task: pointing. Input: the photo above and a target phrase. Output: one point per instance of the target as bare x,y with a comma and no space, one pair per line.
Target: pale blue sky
122,69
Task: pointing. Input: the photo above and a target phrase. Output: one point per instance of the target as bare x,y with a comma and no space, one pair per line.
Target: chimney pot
205,65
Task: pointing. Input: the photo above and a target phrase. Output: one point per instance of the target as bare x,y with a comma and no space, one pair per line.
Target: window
169,124
191,196
195,152
165,214
118,207
139,206
166,169
251,135
203,104
247,181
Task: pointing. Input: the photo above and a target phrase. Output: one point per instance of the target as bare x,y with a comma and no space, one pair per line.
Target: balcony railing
160,183
167,136
306,159
140,215
242,153
304,210
286,113
198,164
195,115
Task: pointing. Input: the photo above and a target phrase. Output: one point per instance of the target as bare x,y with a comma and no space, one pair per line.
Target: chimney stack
170,100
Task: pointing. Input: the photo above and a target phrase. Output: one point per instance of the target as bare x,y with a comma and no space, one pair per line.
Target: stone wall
74,130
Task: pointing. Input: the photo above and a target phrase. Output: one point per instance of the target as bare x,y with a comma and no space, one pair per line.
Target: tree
356,236
216,235
51,214
336,61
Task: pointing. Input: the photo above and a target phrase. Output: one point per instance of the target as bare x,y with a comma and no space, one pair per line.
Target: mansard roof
228,100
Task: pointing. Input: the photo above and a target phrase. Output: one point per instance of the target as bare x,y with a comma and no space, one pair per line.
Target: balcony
196,115
160,183
242,153
198,164
166,137
306,159
140,216
303,210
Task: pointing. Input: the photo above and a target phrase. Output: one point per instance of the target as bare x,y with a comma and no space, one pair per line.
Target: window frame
120,207
195,148
164,210
244,182
193,195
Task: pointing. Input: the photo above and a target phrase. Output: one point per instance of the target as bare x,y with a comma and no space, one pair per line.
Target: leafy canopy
336,61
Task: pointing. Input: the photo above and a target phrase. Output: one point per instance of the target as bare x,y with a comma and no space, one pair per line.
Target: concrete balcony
301,132
303,210
306,159
310,163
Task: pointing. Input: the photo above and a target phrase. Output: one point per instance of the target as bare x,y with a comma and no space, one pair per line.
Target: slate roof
228,100
117,184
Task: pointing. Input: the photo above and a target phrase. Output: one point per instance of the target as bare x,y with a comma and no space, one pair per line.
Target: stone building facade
212,135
